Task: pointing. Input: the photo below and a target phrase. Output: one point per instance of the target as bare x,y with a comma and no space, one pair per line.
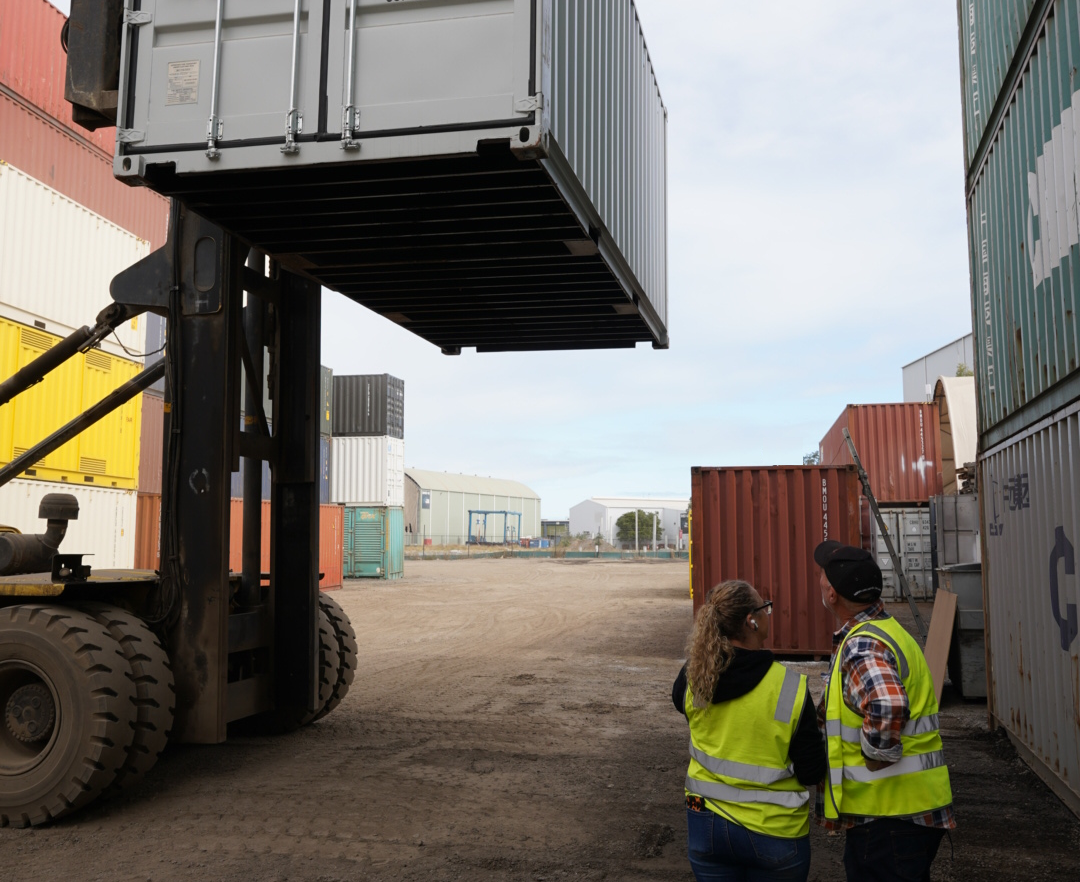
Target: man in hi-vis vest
887,783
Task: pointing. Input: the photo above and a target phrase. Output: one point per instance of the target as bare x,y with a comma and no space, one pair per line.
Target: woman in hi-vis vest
754,746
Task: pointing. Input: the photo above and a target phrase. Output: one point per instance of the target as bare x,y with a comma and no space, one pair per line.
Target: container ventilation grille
99,360
91,466
36,340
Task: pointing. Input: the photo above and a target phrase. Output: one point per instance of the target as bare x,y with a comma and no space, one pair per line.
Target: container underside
476,251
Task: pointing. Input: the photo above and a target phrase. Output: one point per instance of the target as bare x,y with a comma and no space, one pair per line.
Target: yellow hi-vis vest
919,782
739,756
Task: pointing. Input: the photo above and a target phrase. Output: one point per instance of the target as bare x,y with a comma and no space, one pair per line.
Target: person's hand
876,765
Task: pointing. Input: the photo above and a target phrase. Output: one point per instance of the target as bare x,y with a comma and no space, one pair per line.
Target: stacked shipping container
1018,68
66,228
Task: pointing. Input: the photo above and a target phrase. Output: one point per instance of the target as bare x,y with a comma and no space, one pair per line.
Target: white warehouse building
599,514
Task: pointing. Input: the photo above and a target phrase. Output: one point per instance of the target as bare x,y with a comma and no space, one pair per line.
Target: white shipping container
105,528
1031,582
431,106
368,471
57,260
909,530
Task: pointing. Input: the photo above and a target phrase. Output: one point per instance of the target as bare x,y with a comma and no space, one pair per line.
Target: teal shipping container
374,543
991,31
1024,237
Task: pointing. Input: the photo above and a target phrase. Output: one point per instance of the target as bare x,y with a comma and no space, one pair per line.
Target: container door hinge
133,18
129,136
532,103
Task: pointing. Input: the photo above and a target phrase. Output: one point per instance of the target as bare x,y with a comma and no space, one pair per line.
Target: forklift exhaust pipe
21,553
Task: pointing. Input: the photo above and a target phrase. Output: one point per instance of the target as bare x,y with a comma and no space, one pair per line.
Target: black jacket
747,669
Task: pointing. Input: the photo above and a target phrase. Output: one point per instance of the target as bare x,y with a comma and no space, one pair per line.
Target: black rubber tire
84,667
155,691
280,722
348,652
329,664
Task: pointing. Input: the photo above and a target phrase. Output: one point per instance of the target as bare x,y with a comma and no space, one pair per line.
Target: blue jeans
890,850
723,851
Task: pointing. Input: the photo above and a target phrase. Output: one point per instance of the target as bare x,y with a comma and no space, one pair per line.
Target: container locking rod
348,112
294,120
214,125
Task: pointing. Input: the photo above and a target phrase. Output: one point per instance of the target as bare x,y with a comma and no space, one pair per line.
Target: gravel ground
511,720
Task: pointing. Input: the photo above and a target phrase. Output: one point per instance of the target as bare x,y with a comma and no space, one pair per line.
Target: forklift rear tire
348,651
155,692
68,707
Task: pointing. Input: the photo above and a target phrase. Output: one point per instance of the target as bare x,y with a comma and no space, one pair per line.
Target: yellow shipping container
106,454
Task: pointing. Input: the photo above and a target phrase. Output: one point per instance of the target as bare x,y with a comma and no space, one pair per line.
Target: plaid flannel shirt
872,683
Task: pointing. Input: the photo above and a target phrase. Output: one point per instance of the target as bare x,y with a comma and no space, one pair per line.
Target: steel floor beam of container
481,251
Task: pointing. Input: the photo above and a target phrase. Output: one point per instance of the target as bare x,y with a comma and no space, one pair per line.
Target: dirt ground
511,720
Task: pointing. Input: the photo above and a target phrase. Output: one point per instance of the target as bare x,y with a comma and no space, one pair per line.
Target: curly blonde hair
709,650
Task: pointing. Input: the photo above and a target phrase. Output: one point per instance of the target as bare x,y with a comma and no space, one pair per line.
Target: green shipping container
990,33
374,543
1024,240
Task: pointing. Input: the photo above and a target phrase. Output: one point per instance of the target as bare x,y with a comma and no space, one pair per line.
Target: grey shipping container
909,530
369,405
1023,234
326,401
325,464
487,173
1031,583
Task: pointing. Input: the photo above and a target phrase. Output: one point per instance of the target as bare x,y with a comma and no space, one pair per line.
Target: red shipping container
761,524
151,443
899,445
331,535
37,146
33,64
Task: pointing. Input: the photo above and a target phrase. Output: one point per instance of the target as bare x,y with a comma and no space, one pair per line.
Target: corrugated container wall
367,471
617,148
58,260
33,64
45,151
368,405
104,530
107,453
1023,241
151,443
990,32
762,525
899,446
1031,582
909,530
331,532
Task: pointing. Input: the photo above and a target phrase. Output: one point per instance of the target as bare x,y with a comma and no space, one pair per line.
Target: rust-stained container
899,445
151,443
331,532
148,531
1031,594
33,65
38,147
762,524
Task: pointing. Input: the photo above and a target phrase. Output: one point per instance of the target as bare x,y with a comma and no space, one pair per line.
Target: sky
816,244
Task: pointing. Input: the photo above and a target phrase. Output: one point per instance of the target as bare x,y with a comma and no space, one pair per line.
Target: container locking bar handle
348,112
214,126
294,119
897,566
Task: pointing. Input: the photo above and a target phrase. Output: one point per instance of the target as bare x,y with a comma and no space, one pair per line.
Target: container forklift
99,669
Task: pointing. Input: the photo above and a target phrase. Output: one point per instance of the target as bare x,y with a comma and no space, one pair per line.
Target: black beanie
852,571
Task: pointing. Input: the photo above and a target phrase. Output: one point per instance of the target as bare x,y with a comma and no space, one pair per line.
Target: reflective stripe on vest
726,793
912,727
919,763
785,706
732,769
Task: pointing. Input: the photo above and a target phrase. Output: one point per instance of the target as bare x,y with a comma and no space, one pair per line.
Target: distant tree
624,526
962,370
812,458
